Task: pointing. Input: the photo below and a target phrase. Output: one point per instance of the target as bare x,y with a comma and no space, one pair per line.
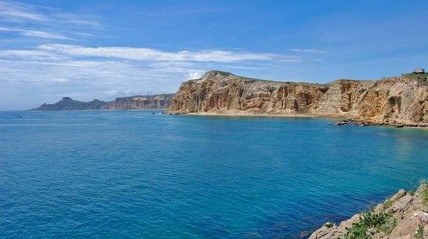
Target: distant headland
161,101
398,101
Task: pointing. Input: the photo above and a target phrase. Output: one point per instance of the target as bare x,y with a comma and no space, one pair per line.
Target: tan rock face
392,101
219,92
395,100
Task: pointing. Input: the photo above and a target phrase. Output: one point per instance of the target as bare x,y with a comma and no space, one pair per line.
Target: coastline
402,216
395,101
340,120
252,115
324,125
92,110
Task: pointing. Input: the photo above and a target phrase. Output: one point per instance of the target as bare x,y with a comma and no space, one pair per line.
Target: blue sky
105,49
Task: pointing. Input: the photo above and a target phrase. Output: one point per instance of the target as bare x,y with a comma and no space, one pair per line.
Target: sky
102,49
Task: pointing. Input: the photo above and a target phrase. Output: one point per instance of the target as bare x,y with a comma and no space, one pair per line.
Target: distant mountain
161,101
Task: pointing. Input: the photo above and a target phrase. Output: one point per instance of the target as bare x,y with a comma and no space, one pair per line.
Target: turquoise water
139,175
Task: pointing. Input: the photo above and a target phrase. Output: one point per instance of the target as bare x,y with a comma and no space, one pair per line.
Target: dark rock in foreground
403,216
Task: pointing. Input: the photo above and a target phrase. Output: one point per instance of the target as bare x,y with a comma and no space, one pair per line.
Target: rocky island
161,101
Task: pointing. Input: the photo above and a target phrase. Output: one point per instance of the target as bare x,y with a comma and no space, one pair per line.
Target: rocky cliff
397,100
161,101
403,216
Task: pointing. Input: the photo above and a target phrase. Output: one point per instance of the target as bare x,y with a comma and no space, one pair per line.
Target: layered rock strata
396,101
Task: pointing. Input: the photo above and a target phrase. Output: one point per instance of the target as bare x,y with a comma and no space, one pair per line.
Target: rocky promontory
394,101
161,101
403,216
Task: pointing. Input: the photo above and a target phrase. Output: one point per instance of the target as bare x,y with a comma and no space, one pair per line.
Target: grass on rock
371,223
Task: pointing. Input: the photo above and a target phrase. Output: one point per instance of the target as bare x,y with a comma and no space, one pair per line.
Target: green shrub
420,232
392,100
425,192
425,196
387,204
381,222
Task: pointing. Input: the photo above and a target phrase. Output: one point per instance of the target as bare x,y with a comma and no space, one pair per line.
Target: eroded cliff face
397,100
225,93
400,100
161,101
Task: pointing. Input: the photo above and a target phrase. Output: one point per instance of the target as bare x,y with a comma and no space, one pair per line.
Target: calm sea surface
143,175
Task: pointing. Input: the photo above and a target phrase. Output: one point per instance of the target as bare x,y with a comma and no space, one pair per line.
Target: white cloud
88,21
41,34
106,64
195,75
149,54
32,73
92,70
31,21
5,29
87,72
21,12
59,80
35,33
308,50
17,12
29,55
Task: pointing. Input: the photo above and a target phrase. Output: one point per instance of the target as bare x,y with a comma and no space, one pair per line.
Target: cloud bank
44,57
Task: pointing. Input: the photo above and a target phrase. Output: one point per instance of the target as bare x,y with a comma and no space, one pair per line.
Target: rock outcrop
67,103
403,216
161,101
397,100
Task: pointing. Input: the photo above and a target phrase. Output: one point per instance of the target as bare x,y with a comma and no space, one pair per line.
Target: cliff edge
395,101
403,216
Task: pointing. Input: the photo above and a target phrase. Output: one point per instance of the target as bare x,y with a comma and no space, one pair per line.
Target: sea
144,174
